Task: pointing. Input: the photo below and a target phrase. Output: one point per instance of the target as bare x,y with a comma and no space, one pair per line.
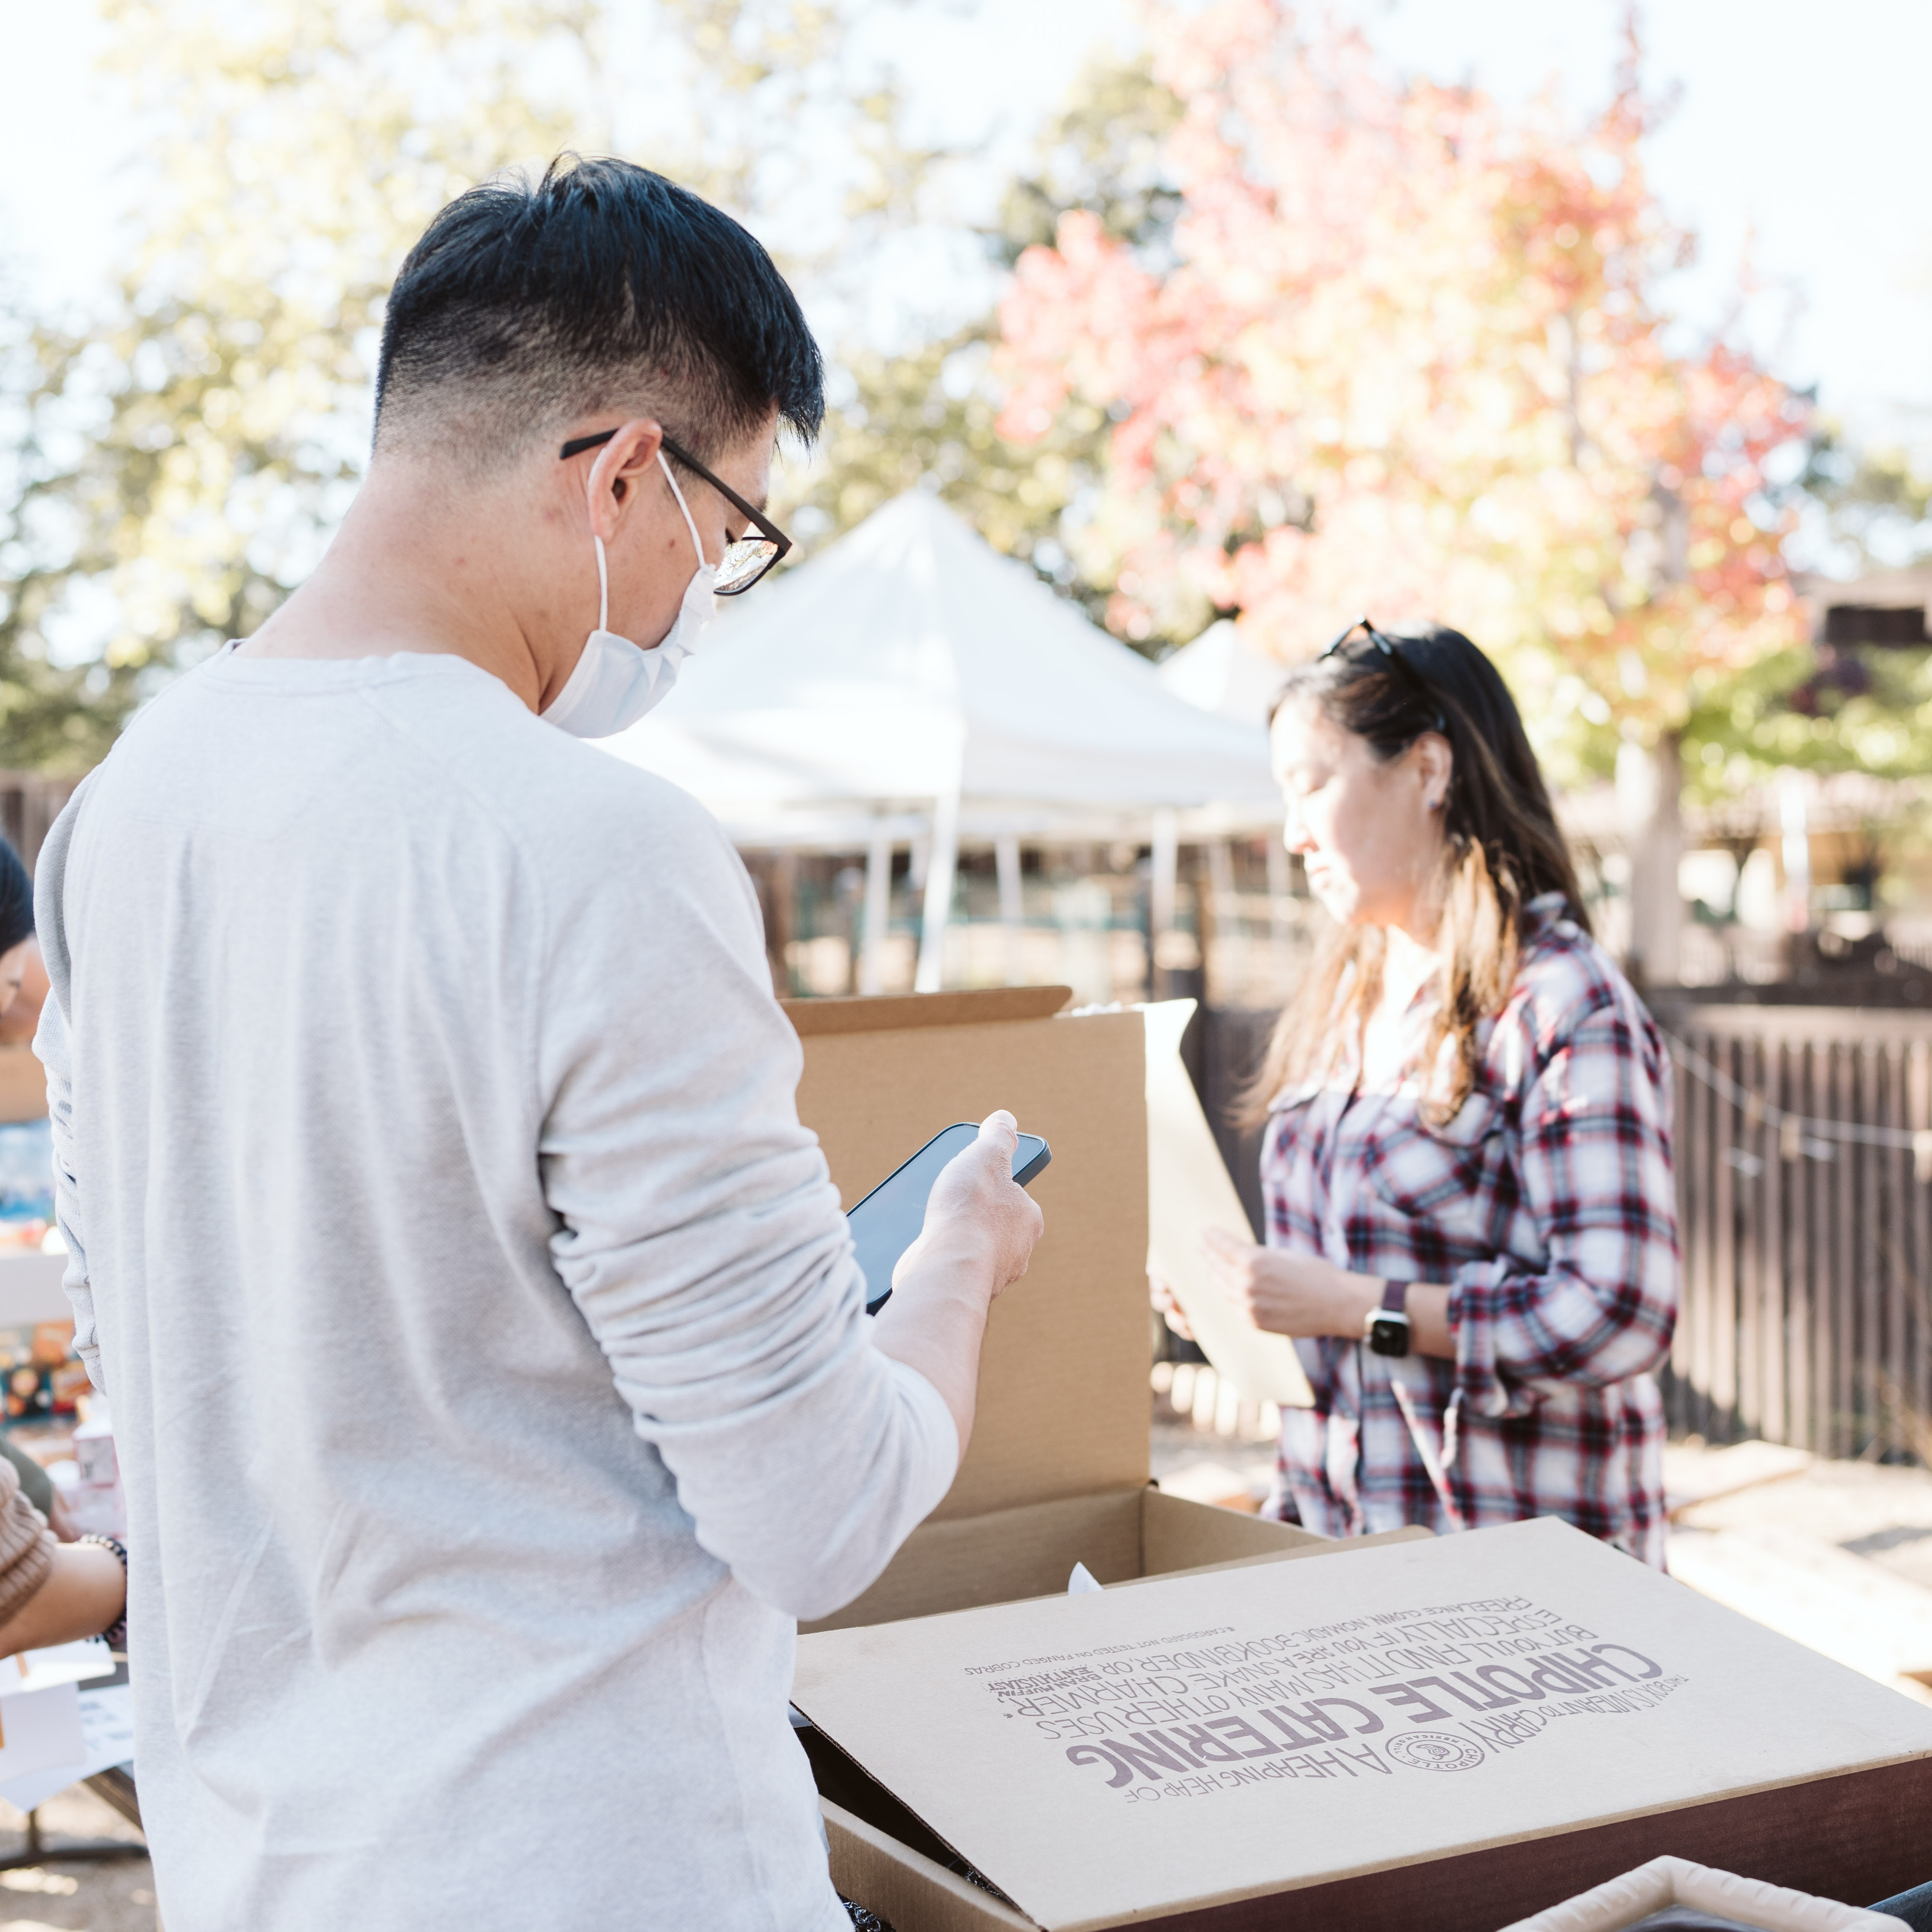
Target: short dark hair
527,305
17,899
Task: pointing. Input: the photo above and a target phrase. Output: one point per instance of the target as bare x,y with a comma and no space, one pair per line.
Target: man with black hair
488,1361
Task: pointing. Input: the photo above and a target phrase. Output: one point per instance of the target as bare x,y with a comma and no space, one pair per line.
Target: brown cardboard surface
959,1563
1852,1836
1062,1407
1655,1721
910,1894
875,1013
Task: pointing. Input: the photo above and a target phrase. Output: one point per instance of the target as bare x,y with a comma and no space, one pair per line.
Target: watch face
1388,1335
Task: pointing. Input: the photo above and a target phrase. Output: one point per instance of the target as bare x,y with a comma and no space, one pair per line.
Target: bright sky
1800,124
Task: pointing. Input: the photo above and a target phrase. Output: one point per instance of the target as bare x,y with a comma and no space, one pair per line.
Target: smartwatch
1386,1331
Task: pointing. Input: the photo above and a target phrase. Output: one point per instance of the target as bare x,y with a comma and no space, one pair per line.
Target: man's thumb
1002,1131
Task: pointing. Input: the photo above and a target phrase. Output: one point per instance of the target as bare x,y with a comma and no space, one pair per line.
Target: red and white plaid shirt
1547,1206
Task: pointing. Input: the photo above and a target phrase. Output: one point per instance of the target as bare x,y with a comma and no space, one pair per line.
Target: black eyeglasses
1386,646
744,561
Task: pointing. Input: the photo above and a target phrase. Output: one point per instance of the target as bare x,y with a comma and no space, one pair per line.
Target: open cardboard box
1057,1471
1443,1734
1683,1729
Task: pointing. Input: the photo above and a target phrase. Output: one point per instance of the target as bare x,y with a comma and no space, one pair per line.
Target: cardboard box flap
875,1013
1115,1755
1063,1376
1123,1536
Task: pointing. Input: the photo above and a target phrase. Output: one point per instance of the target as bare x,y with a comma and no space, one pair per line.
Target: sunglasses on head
744,561
1386,645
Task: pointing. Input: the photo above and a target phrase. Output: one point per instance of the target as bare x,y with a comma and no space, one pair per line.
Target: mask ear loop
603,585
703,563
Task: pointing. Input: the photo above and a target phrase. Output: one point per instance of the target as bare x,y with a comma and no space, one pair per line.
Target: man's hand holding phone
980,1229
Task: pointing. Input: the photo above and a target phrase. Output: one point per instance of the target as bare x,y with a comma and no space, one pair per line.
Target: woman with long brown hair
1472,1227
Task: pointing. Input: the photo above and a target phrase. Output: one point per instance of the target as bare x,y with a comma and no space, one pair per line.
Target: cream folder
1189,1190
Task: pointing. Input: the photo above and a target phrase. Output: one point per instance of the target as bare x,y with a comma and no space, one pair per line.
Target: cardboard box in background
1448,1734
1057,1471
1623,1903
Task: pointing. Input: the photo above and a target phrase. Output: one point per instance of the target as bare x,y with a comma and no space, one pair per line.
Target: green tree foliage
1824,707
1875,504
177,463
187,457
928,419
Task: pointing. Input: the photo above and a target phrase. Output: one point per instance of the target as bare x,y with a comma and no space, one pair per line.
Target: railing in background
1804,1152
1191,1392
1804,1184
29,804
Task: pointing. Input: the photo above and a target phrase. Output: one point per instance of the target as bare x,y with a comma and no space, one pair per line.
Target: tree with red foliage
1407,355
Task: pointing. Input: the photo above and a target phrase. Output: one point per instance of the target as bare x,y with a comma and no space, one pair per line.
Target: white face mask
616,681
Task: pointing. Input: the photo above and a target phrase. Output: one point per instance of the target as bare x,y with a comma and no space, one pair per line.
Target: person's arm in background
85,1593
1594,1172
50,1593
23,1084
704,1244
52,1048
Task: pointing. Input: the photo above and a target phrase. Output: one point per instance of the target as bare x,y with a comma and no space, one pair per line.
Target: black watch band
1386,1330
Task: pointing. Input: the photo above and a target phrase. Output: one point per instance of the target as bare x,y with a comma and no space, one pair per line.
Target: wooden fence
1804,1183
1803,1148
29,804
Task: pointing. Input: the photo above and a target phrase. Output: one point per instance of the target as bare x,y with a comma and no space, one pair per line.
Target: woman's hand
1169,1309
1302,1294
1287,1294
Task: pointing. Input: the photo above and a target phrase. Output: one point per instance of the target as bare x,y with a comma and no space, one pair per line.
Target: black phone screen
888,1221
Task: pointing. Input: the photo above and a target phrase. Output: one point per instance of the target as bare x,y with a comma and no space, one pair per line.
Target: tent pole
1279,917
1012,901
939,871
1162,875
878,911
1223,920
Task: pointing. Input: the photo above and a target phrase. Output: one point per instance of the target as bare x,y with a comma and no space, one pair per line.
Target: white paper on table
1189,1190
107,1738
74,1663
40,1731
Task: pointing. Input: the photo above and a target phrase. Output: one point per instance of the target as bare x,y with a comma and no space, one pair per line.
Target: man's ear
620,467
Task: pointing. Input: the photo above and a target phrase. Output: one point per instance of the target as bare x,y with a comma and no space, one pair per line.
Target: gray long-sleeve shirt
487,1363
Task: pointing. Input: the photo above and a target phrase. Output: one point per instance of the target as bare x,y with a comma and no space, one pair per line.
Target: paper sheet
1188,1190
40,1734
104,1736
58,1664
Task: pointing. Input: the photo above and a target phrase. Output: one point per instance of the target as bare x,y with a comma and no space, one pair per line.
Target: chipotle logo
1446,1688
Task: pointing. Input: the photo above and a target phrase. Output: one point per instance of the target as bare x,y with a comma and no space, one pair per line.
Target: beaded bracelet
115,1635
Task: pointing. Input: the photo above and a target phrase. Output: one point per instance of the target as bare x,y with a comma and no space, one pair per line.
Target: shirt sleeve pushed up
1590,1167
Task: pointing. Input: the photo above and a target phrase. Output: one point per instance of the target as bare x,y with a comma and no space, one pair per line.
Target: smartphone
887,1221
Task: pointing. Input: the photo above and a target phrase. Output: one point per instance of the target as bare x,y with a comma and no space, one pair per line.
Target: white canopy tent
1219,672
912,681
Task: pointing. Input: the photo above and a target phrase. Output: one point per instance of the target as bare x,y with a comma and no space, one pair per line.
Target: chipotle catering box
1057,1471
1442,1734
